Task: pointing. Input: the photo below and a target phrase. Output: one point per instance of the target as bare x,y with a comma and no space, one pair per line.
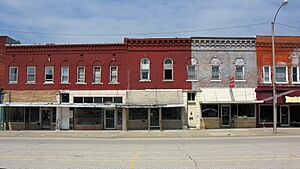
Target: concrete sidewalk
153,133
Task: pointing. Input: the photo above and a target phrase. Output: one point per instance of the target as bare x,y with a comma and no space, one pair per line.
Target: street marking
132,163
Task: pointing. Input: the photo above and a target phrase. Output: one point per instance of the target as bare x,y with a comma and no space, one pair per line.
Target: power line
134,34
290,26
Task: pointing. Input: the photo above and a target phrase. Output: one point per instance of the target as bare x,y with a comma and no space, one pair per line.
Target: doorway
46,118
225,115
284,115
154,119
110,119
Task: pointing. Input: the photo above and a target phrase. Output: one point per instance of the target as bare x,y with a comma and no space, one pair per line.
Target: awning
153,106
42,104
228,96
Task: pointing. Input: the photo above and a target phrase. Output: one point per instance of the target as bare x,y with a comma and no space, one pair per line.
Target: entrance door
154,118
46,118
284,116
110,119
225,115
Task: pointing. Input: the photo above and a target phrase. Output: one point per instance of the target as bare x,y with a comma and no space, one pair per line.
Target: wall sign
295,99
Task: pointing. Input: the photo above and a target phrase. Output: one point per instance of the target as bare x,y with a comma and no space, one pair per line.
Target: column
160,119
124,118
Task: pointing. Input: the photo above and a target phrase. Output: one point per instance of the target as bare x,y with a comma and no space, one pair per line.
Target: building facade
286,79
224,82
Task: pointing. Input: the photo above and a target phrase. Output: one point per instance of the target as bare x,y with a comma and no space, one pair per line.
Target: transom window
49,70
145,69
13,74
65,74
30,74
281,74
295,74
267,74
80,74
113,74
97,74
168,69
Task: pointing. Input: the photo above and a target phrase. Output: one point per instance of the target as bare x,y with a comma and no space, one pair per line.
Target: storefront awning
42,104
228,96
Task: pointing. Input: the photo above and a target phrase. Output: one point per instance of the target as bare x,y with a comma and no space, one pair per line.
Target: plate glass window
168,69
64,74
145,69
49,74
113,74
281,74
13,74
80,74
96,74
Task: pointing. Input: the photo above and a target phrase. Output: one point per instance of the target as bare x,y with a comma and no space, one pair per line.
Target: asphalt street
272,152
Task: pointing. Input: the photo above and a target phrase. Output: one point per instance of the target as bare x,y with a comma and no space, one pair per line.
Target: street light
284,2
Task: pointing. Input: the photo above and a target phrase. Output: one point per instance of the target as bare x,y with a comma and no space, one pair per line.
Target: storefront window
266,113
234,110
88,116
171,113
16,114
246,110
53,115
210,110
138,114
34,114
119,111
295,114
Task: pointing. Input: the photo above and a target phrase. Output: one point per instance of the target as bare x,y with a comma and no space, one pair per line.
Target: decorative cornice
157,42
215,43
278,44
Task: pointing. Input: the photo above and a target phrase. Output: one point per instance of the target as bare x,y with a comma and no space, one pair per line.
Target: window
30,74
145,69
118,99
246,110
53,115
281,75
138,114
168,69
78,99
210,110
107,99
191,96
34,114
266,114
16,114
80,74
295,115
65,97
97,74
267,74
88,116
191,72
65,74
239,72
171,113
13,74
113,74
215,72
295,74
98,100
49,74
119,113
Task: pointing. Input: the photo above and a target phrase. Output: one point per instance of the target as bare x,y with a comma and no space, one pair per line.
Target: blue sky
128,17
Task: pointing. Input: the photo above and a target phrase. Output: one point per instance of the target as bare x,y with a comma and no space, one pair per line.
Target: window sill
216,80
168,80
82,83
114,83
191,102
97,83
13,83
281,82
65,83
194,80
30,83
267,82
145,80
295,82
48,83
239,80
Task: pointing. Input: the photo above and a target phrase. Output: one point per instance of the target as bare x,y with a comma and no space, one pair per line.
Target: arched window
239,69
215,69
145,69
168,69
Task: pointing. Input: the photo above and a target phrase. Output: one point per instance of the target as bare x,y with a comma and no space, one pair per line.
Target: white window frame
94,75
10,74
62,75
243,72
264,74
49,80
286,75
298,78
190,100
219,74
78,80
34,74
144,70
111,75
188,77
172,68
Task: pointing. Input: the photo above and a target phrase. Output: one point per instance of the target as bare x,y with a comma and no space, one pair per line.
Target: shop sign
295,99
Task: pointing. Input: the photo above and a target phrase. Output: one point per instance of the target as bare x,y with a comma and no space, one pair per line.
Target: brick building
287,80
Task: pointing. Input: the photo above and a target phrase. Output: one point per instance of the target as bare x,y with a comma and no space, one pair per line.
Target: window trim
264,74
77,79
9,75
45,80
243,72
34,75
219,79
61,75
195,77
110,75
286,75
141,70
164,69
298,77
94,82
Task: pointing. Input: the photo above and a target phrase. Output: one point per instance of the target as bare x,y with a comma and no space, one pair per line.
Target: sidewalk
153,134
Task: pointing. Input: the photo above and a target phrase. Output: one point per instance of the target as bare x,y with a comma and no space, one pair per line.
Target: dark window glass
88,100
119,111
246,110
34,114
107,99
117,99
53,115
234,110
138,114
16,114
295,114
78,99
98,100
210,110
65,97
88,116
191,96
168,74
266,113
171,113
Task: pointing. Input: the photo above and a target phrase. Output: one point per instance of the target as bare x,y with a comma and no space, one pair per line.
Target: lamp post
284,2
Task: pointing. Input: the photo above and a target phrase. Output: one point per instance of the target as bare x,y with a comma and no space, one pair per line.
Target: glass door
225,115
154,118
284,116
46,118
110,119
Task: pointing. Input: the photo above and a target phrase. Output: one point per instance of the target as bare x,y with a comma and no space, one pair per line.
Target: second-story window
31,74
113,74
168,69
215,70
239,69
96,74
80,74
267,74
65,74
13,74
145,69
191,72
281,74
49,70
295,75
